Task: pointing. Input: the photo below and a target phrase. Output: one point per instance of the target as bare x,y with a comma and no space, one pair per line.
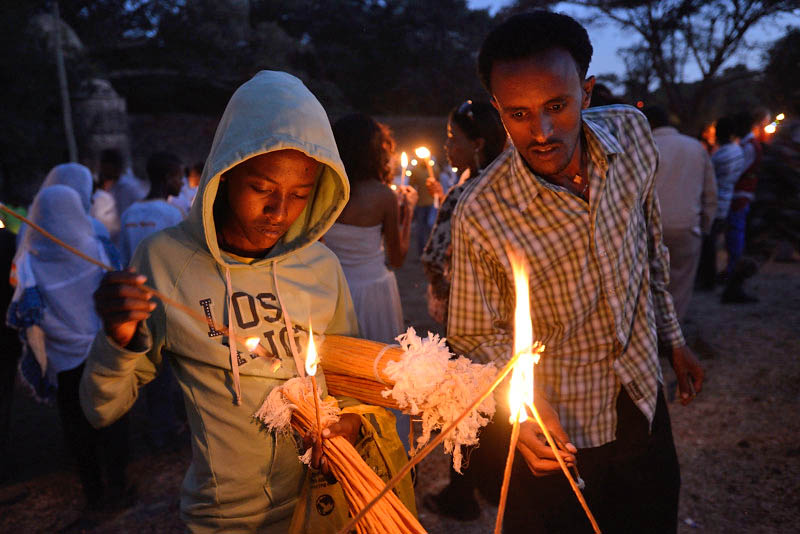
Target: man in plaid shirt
575,195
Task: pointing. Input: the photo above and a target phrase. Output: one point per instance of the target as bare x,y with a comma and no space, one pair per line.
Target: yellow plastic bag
322,507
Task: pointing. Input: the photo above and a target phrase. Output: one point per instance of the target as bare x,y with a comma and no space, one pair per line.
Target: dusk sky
606,38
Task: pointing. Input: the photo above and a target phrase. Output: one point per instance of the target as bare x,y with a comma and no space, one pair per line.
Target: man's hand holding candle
533,446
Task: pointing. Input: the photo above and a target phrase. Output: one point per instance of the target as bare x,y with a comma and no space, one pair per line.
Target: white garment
143,219
75,176
183,201
129,189
65,281
104,209
373,287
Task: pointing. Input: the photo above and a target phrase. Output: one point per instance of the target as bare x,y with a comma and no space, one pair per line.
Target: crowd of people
293,223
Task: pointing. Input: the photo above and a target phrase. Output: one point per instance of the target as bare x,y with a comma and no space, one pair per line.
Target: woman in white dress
375,227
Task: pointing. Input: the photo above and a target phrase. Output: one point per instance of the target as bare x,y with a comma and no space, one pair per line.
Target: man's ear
588,85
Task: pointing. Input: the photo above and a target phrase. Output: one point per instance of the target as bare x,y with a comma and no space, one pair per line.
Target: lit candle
425,154
523,344
311,369
254,346
404,167
520,391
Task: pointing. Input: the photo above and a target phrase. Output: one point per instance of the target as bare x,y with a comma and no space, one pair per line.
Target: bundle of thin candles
421,377
358,358
359,482
364,389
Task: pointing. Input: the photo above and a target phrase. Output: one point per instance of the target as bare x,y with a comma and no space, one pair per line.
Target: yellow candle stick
311,369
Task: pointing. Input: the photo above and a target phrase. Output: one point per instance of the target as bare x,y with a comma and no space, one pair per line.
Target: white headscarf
73,175
65,281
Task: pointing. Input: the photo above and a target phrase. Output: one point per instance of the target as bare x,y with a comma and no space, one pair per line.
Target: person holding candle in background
475,137
425,210
374,229
247,256
575,196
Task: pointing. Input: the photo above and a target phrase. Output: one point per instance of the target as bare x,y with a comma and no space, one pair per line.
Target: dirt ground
738,443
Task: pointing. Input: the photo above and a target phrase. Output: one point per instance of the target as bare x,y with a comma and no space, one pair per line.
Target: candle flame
311,354
251,343
770,128
2,224
780,117
394,187
422,152
521,386
404,160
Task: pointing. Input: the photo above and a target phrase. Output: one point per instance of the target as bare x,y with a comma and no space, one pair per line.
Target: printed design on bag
325,504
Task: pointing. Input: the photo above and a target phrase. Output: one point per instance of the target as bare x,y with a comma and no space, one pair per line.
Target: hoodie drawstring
237,388
300,364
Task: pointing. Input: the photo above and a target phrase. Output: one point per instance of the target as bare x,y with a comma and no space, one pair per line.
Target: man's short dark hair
726,129
656,116
161,165
528,34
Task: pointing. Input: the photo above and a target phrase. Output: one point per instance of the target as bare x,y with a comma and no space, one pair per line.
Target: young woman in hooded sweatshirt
248,257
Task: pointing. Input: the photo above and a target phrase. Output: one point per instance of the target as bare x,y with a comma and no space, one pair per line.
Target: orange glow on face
311,354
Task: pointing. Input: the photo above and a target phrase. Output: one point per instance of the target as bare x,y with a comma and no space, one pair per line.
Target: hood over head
273,111
72,175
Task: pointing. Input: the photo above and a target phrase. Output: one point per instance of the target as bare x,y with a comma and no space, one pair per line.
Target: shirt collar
524,185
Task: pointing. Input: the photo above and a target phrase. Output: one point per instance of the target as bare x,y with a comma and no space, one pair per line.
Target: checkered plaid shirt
598,274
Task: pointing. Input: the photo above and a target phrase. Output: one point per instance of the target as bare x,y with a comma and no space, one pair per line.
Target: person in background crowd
425,210
774,222
475,137
708,136
373,229
104,205
737,271
79,179
55,316
370,221
728,162
576,199
687,193
143,219
154,213
183,200
603,96
127,189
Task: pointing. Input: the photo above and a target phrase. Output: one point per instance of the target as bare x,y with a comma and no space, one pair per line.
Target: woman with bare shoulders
374,228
